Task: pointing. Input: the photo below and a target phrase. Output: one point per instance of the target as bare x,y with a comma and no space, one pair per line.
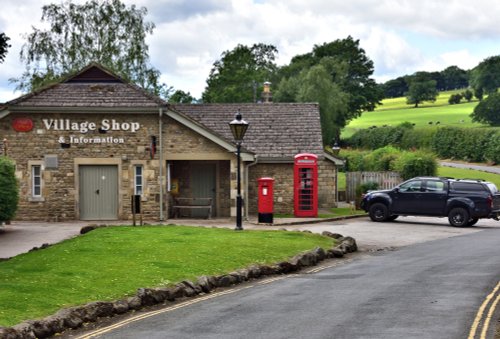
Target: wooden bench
192,204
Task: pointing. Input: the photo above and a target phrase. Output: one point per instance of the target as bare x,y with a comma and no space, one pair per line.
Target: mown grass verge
462,173
113,262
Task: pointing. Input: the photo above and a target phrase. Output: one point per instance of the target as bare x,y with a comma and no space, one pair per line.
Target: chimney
267,96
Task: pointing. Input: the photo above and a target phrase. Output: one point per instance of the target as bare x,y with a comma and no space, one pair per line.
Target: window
138,180
411,186
435,186
467,187
36,184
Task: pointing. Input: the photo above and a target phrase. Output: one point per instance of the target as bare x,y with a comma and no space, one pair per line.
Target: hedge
408,164
9,194
467,144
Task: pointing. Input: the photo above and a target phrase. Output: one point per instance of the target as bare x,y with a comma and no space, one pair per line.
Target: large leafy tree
454,78
103,31
421,87
349,71
181,97
4,45
485,77
395,88
239,74
488,110
316,85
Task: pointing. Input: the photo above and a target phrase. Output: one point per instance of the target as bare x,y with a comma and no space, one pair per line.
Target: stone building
83,147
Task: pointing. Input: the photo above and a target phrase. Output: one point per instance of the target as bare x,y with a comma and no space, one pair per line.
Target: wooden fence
385,180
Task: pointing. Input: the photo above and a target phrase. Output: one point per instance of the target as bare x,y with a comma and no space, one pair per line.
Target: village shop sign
25,125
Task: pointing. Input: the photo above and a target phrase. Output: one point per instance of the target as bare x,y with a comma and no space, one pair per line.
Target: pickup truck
463,201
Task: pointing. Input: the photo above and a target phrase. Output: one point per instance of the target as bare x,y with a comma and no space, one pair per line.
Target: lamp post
238,128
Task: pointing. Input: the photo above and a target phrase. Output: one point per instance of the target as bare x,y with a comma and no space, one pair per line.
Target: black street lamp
238,128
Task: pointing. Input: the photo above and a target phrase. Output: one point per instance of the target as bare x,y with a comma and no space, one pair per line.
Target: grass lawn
111,263
460,173
332,213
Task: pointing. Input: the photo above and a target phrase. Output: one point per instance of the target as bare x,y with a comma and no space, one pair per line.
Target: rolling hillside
395,111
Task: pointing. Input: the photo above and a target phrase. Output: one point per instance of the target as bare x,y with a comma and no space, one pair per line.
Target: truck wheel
378,212
472,222
458,217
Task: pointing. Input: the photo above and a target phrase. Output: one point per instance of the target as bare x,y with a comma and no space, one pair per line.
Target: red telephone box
305,185
266,196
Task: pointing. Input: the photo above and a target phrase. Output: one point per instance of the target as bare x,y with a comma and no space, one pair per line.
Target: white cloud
400,36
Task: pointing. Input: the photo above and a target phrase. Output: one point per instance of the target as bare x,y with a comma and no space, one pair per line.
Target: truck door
406,199
434,197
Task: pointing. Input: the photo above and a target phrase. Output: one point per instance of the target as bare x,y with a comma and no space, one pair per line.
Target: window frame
32,164
141,176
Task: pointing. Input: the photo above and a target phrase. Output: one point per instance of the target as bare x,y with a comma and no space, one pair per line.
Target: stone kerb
75,317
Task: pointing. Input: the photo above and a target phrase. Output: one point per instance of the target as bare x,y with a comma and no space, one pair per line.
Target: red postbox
305,183
266,196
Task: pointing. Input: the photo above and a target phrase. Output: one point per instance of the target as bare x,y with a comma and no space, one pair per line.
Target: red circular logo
22,124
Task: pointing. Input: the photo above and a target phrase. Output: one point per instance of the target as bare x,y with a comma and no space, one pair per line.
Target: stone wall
283,186
181,146
59,200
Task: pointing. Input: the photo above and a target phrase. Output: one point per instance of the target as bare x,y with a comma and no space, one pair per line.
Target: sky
400,36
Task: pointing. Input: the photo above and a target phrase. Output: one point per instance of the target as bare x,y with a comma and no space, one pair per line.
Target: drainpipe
160,132
246,183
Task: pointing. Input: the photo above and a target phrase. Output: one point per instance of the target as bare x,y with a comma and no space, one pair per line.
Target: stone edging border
75,317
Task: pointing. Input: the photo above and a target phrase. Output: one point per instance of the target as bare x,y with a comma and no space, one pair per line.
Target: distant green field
400,103
394,111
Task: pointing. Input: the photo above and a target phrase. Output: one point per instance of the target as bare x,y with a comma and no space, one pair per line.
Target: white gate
385,180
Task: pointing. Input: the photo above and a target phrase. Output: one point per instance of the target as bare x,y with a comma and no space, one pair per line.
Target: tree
4,46
364,93
454,78
486,75
315,85
488,110
181,97
107,32
395,88
468,95
239,74
349,71
421,88
9,194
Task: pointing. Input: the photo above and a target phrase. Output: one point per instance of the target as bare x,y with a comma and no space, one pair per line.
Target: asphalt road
477,167
430,289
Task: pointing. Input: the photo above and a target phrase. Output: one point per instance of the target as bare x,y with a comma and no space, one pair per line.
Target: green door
203,186
98,192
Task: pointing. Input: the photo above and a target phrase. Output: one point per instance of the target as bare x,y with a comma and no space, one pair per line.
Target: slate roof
94,86
276,131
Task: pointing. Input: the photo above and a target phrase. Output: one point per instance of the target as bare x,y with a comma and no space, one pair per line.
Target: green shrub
455,99
354,159
9,194
382,159
365,187
414,164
